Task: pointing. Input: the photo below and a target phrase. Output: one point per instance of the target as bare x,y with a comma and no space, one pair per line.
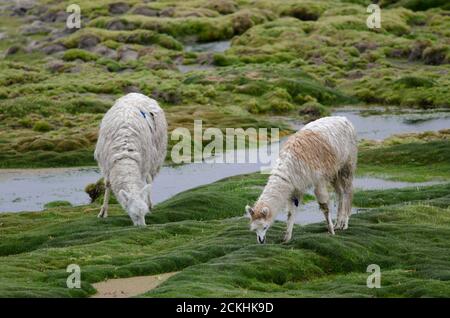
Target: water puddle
216,47
194,67
379,127
210,47
129,287
29,190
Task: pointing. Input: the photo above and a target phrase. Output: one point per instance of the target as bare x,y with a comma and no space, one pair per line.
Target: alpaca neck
125,175
277,193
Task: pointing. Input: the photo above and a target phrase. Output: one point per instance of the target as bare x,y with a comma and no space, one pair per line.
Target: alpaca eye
265,228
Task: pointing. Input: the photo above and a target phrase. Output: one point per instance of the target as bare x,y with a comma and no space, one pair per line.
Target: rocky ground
295,58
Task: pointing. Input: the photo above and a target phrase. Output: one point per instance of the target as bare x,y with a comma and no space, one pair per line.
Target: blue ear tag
143,114
295,201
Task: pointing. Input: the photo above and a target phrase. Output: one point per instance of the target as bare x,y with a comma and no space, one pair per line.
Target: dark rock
88,41
37,27
115,25
51,16
190,14
157,65
302,13
146,11
131,89
417,50
56,66
167,12
435,55
205,59
171,97
22,7
126,54
365,46
105,51
119,7
146,51
241,23
53,48
13,50
222,6
20,11
75,69
32,46
355,75
398,53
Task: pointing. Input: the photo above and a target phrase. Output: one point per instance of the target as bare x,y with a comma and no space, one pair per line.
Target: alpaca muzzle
261,239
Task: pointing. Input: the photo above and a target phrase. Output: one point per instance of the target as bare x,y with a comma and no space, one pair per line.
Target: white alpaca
322,152
131,148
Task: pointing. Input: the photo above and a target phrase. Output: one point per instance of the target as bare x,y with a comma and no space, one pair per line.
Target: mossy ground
202,233
427,154
286,57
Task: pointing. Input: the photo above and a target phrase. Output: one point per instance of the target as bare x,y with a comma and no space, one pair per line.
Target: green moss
217,255
42,126
436,195
335,60
78,54
26,122
55,204
436,55
412,81
418,5
429,160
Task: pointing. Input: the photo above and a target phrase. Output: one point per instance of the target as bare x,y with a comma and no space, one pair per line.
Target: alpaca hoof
103,213
339,225
287,238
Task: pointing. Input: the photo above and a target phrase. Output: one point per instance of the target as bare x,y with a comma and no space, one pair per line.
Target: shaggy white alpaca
322,152
131,148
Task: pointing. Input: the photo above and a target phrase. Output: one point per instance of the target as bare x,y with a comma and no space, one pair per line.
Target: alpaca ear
124,196
265,211
249,210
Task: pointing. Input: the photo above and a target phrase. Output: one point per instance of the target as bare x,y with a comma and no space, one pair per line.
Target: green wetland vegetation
202,234
286,59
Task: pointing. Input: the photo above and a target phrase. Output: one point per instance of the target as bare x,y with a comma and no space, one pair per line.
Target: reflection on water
379,127
29,190
210,47
194,67
218,46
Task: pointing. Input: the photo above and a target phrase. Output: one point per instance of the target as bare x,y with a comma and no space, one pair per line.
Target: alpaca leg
293,205
341,213
149,180
348,206
323,198
347,185
104,210
348,197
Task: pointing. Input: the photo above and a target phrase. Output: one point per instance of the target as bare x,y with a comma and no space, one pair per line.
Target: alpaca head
136,205
261,220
